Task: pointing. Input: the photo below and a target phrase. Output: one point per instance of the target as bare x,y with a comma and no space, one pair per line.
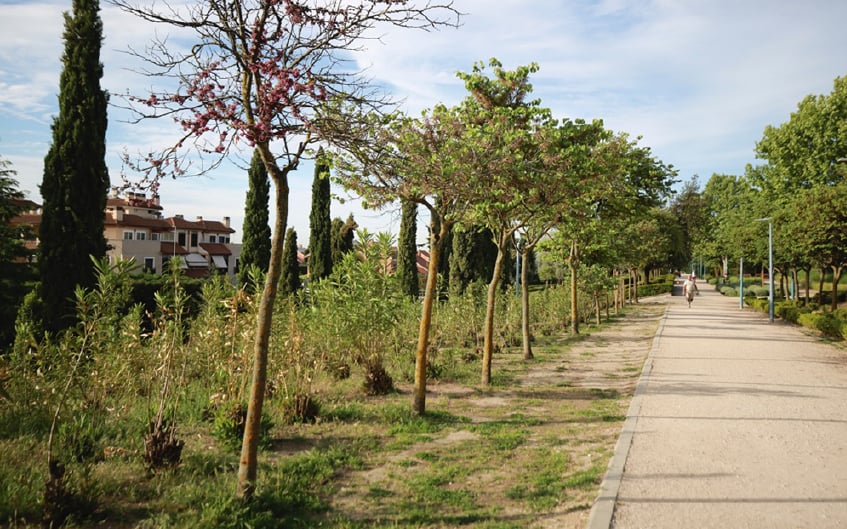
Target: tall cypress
472,258
76,180
289,279
256,239
320,224
343,233
407,266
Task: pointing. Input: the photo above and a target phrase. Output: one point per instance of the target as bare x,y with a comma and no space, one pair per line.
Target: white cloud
699,79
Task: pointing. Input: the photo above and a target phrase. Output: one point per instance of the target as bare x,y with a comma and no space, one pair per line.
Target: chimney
155,200
199,218
178,217
119,214
226,222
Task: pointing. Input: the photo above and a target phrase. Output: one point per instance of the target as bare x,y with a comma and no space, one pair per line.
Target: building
135,228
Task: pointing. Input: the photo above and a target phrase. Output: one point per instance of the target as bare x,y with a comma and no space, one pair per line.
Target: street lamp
770,265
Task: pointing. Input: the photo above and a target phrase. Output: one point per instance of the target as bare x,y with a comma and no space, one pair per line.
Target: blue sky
698,79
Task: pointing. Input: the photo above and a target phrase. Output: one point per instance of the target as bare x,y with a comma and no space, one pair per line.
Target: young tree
289,281
407,250
272,74
256,240
76,180
421,160
320,224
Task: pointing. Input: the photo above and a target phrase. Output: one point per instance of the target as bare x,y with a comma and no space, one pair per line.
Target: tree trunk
808,283
437,232
572,266
634,284
488,342
597,309
820,287
527,339
836,278
248,466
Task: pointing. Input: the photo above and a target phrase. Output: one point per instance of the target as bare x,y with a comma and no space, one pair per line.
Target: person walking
689,288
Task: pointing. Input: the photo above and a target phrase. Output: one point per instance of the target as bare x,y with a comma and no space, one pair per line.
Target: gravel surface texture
737,423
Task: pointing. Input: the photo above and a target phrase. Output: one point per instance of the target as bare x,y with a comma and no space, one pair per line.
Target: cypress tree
256,240
320,225
289,279
343,233
407,267
472,258
76,179
15,269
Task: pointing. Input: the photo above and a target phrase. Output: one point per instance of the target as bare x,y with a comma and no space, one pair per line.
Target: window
155,236
212,238
150,265
128,235
167,237
140,235
193,239
181,238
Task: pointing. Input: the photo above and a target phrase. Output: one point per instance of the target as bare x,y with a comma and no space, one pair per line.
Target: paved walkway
736,423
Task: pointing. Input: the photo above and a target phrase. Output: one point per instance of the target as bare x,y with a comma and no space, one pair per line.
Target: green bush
654,289
729,291
757,291
826,322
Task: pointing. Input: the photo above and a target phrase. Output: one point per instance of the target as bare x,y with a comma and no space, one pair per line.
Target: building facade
135,229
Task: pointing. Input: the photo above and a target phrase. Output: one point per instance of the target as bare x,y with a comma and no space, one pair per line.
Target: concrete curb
603,510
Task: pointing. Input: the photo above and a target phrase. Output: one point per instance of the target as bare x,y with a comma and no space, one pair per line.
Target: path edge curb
603,510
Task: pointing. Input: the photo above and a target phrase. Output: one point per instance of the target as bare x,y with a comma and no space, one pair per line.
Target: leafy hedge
832,324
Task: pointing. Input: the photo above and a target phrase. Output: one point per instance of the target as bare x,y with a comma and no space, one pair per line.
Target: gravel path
736,423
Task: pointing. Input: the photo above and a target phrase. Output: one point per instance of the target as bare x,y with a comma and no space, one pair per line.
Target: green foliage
228,426
829,323
320,224
256,239
289,278
471,258
407,262
729,291
16,273
343,233
76,179
360,305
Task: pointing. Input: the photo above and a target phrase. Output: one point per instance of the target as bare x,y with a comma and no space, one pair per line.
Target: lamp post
770,266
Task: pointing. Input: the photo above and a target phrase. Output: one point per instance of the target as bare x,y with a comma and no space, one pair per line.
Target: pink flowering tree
276,75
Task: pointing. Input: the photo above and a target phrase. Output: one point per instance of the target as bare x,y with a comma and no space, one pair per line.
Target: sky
697,80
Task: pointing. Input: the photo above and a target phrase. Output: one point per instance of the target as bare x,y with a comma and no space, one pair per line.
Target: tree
472,257
277,75
76,180
804,152
343,233
407,250
509,135
256,240
822,211
15,269
422,160
289,281
320,224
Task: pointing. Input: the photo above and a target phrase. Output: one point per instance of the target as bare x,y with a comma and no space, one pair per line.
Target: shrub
825,322
729,291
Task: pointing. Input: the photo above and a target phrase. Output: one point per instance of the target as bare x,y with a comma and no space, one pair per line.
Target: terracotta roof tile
170,248
213,248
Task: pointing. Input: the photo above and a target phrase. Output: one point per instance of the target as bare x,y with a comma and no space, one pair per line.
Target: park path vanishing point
735,423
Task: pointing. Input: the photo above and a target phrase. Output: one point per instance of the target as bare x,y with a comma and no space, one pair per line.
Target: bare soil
568,405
